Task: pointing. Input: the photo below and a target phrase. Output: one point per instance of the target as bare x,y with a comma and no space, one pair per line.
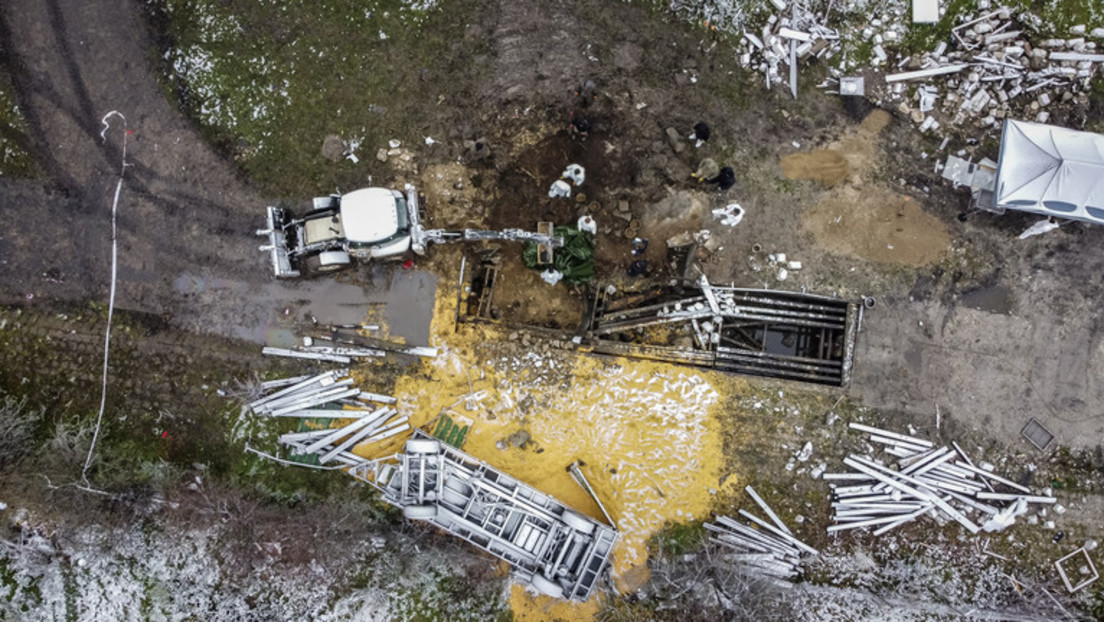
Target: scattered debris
926,479
1037,435
1043,226
993,72
788,37
762,547
852,86
925,11
317,356
1088,569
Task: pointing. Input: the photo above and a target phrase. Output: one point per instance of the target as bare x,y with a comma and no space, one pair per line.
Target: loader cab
375,222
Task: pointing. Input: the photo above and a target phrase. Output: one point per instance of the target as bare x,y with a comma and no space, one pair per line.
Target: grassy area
268,81
15,161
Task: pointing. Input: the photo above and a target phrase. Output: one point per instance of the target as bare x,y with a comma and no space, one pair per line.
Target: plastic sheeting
1051,170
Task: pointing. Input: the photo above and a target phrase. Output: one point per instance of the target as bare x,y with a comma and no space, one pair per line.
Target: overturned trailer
558,551
787,335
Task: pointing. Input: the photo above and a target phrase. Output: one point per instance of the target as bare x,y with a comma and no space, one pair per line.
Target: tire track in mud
183,205
538,50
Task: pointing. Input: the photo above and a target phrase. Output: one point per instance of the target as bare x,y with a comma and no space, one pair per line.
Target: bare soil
876,224
827,166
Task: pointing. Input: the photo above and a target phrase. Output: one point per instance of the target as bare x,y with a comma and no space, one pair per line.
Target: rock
381,155
519,438
477,149
675,140
627,56
333,148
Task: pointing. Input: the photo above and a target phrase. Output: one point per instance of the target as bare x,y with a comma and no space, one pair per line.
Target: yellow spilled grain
646,435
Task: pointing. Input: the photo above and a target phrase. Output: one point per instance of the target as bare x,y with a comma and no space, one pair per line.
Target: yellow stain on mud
646,435
529,607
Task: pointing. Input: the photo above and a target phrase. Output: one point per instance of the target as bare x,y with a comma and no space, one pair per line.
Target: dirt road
186,219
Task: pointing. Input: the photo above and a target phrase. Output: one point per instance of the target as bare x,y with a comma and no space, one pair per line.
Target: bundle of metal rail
764,548
330,397
927,480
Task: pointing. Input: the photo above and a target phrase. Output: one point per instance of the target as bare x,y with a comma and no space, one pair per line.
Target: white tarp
1052,171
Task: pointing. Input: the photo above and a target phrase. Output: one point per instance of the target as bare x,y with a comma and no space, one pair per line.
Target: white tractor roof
1052,171
369,214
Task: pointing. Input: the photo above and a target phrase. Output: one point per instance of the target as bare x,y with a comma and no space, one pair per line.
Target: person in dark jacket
725,179
700,134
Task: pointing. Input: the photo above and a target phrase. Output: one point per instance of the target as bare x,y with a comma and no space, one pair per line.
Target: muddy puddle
994,299
401,301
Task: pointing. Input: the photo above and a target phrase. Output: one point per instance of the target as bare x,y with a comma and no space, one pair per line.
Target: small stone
519,438
381,155
333,148
675,140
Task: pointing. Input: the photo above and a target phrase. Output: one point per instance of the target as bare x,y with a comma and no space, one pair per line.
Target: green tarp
575,259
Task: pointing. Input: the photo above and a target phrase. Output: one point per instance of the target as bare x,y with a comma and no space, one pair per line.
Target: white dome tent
1051,171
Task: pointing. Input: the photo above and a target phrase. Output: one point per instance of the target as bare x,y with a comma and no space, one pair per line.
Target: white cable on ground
114,274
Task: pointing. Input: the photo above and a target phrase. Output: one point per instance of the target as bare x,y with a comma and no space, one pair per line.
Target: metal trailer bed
559,551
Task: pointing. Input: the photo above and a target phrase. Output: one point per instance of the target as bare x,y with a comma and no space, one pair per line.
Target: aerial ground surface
228,107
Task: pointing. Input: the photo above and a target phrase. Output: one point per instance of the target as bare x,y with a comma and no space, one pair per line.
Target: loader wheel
313,264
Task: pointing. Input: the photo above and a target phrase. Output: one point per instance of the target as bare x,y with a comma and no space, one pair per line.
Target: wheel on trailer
547,586
578,522
423,446
420,512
